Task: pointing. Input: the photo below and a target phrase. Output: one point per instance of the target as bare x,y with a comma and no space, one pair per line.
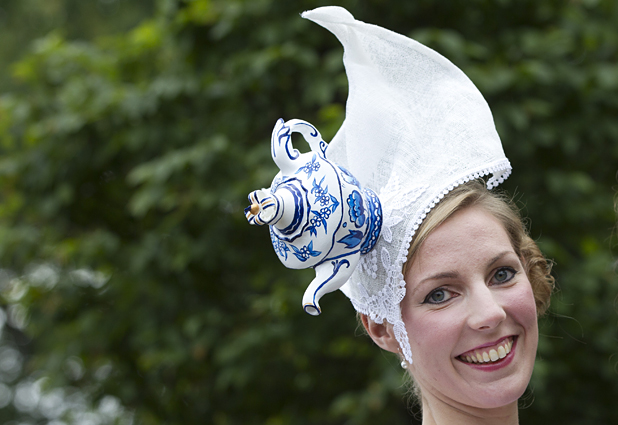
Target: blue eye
438,296
504,275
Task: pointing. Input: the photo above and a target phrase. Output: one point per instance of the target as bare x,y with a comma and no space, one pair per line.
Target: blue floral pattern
352,239
357,210
305,252
310,167
322,196
281,247
328,203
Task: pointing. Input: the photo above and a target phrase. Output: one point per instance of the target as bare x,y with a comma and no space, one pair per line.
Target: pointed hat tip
329,14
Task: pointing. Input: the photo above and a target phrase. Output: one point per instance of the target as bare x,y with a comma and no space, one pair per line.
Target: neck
437,412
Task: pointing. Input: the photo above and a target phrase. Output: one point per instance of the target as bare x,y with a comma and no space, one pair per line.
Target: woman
475,283
453,283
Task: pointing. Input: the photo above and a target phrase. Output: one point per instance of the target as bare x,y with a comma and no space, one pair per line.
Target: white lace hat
415,128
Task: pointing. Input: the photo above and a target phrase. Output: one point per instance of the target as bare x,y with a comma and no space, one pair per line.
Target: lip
489,344
490,367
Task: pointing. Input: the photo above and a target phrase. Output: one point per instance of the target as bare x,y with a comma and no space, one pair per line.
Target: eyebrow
499,256
454,274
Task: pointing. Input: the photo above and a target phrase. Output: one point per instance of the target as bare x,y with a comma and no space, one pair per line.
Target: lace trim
368,263
385,304
394,200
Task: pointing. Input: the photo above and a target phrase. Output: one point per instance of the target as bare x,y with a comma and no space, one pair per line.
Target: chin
495,401
501,393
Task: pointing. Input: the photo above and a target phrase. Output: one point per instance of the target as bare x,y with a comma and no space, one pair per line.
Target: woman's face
470,314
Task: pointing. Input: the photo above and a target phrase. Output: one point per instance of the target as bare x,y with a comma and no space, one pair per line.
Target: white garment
415,128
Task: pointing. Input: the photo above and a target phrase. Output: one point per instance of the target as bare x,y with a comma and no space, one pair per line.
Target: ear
382,334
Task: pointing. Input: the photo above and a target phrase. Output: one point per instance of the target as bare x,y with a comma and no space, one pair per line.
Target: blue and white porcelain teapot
318,213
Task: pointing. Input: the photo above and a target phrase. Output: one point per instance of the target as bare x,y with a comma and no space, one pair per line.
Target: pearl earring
404,364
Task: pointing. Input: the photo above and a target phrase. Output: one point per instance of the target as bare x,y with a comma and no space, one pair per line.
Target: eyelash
427,299
507,269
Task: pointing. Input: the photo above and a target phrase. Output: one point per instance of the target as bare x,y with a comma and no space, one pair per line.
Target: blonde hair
474,193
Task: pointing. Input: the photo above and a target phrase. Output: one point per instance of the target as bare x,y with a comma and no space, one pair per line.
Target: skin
466,288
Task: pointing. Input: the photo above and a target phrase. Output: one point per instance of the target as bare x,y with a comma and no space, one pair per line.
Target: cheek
523,306
432,334
432,339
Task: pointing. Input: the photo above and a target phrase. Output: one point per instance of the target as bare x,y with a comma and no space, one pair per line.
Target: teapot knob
263,208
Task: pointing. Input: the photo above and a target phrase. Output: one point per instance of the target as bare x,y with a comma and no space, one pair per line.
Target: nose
485,311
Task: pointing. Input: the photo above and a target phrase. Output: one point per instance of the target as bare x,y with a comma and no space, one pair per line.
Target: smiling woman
475,284
440,269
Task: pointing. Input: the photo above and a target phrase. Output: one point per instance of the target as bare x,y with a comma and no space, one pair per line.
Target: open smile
491,354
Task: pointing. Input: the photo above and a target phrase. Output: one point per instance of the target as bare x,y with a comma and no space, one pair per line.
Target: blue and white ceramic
318,213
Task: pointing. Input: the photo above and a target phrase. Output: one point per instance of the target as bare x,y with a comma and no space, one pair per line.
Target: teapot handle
283,151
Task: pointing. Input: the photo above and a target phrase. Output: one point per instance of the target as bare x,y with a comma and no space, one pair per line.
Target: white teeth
493,355
502,352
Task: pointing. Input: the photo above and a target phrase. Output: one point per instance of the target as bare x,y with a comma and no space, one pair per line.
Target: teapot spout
330,276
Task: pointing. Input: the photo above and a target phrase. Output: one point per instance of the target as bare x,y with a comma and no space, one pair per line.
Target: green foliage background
132,288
